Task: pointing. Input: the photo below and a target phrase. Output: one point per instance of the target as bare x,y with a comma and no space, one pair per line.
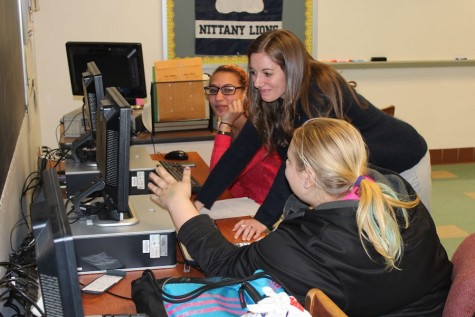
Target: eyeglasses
225,90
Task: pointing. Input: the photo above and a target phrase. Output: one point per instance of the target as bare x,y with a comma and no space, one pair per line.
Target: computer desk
157,138
109,304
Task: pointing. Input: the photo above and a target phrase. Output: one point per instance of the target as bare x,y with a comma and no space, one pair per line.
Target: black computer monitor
121,65
93,90
83,148
55,254
113,160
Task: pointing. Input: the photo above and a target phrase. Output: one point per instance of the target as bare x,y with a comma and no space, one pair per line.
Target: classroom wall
60,21
397,29
438,101
26,143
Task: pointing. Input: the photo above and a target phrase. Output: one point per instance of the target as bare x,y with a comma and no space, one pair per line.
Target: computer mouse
178,155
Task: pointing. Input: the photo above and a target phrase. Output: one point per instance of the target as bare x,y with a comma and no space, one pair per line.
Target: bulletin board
401,30
179,32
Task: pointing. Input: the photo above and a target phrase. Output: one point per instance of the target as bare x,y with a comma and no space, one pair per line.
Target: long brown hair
275,120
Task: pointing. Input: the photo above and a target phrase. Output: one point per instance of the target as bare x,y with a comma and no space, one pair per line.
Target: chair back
461,299
389,110
318,304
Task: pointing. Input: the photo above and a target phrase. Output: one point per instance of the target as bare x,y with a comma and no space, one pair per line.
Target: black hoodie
321,248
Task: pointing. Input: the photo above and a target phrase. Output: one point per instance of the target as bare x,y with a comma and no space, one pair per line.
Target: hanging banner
227,27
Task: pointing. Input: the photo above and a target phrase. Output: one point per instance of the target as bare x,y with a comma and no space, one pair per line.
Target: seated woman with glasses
227,96
358,232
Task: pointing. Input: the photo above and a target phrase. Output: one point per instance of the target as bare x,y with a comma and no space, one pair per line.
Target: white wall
23,163
13,230
439,102
397,29
60,21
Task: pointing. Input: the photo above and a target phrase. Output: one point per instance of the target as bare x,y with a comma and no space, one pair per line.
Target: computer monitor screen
121,65
55,254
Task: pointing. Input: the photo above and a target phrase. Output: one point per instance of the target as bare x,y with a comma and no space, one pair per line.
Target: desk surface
173,136
200,172
157,138
109,304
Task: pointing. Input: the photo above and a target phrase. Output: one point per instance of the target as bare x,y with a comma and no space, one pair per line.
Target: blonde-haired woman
358,232
333,159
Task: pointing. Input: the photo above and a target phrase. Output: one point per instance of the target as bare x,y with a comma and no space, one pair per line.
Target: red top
257,178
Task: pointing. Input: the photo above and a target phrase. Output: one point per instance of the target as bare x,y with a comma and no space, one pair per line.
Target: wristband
223,132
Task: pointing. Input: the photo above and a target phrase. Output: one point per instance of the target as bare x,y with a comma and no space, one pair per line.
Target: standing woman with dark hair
287,87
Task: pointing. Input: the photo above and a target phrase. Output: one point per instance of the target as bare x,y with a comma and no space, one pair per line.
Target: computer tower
151,243
79,176
141,165
74,123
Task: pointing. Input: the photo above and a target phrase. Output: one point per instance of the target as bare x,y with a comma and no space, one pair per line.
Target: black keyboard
176,170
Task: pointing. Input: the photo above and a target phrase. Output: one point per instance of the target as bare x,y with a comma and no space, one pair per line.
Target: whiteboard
397,29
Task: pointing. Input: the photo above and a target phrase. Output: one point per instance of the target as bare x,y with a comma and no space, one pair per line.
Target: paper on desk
233,207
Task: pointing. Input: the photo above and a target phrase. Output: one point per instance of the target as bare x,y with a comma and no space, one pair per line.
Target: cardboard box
177,91
182,69
176,101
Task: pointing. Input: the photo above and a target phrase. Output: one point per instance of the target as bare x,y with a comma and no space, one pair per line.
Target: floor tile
442,174
451,231
471,195
453,203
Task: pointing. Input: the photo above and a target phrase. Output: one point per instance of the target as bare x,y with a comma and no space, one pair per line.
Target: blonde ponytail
336,153
378,223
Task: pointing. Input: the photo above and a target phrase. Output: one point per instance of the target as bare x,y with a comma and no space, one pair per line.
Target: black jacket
320,248
392,144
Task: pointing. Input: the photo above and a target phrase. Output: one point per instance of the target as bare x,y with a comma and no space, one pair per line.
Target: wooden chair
320,305
389,110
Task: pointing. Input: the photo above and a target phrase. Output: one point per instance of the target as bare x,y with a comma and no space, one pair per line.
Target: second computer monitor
113,163
113,151
93,90
83,148
121,65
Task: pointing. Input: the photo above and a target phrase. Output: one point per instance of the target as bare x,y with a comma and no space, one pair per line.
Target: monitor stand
108,216
79,152
104,220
